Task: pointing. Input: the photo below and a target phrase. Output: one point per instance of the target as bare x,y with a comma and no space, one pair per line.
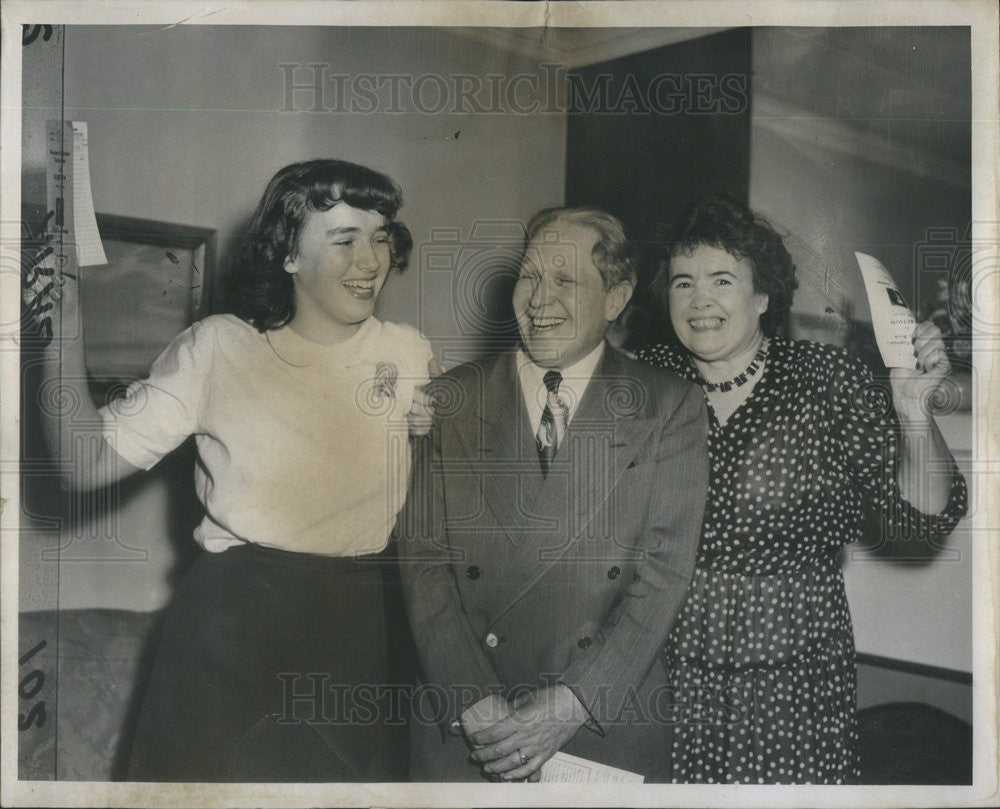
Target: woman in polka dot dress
762,654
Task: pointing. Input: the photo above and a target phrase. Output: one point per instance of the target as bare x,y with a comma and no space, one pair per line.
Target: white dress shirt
575,379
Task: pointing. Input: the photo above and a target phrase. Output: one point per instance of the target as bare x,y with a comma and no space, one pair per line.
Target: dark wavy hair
262,292
719,221
615,257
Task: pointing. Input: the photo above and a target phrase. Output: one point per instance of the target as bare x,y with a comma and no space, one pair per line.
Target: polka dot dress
762,654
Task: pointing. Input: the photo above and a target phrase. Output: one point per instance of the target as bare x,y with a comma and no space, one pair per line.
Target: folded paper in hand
892,319
563,768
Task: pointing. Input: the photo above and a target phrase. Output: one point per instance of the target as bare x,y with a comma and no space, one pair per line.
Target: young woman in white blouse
299,405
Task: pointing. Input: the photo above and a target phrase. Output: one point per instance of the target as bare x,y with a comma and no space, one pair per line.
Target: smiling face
713,306
562,306
339,266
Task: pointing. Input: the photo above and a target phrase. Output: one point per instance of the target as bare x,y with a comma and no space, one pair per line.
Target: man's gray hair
613,254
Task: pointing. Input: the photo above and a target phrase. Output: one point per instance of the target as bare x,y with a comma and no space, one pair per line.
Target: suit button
614,572
492,641
584,642
472,572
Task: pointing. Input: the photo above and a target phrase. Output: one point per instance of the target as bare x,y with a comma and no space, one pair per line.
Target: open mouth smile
359,288
543,324
706,323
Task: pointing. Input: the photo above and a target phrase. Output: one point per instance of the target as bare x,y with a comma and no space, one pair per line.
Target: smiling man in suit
551,529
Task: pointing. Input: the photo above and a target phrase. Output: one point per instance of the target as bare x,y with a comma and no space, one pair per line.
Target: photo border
980,16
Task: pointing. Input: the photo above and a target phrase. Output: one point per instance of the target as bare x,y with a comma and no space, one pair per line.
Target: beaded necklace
740,379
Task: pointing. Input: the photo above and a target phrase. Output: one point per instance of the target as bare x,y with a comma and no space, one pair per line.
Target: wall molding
923,669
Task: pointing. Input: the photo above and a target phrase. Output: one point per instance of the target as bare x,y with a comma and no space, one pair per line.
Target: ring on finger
521,757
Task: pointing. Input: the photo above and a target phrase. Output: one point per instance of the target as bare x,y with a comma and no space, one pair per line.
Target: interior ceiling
576,47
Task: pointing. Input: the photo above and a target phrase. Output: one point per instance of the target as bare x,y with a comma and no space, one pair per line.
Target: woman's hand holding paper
913,391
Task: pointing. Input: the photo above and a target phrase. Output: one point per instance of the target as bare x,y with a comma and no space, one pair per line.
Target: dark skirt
272,668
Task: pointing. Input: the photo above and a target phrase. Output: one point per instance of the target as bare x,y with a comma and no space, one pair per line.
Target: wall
860,141
41,93
185,126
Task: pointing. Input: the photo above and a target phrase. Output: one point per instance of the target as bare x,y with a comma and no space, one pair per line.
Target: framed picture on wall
157,282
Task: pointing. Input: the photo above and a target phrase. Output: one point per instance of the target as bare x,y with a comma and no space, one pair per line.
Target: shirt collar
575,379
357,349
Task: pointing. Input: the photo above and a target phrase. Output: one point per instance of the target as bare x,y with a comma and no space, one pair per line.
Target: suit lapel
612,422
499,446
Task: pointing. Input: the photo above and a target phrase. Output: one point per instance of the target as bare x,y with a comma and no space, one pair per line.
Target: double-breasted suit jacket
514,580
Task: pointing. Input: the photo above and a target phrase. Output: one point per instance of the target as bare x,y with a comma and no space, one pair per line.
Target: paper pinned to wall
59,196
892,319
88,237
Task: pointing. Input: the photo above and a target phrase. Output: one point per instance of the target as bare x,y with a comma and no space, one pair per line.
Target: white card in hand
563,768
892,319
